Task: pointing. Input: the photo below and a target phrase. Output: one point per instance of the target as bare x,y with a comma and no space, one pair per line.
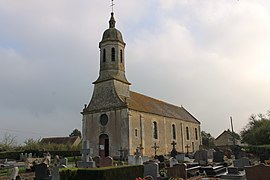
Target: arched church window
187,132
196,134
113,54
121,55
155,130
103,119
104,55
173,131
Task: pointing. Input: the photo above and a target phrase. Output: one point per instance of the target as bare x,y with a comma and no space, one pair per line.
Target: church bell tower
112,87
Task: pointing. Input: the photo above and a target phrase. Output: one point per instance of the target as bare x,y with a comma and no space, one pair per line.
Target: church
118,119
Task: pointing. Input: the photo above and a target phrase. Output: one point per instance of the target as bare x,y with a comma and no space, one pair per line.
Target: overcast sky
211,56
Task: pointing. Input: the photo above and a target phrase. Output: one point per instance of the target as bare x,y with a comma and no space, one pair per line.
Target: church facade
119,119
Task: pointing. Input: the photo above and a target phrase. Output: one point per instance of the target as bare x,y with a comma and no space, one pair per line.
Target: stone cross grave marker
87,161
187,147
121,151
155,147
141,149
85,151
173,152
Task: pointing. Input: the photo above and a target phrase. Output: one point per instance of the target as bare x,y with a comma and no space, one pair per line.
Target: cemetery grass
7,172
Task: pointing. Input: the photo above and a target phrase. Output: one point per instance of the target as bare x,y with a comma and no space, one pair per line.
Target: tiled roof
59,140
147,104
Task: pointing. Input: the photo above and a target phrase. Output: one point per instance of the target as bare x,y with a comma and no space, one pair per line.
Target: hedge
260,149
105,173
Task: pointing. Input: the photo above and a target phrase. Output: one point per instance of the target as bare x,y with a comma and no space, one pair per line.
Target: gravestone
173,161
64,161
210,153
14,173
42,172
87,161
131,160
258,172
241,163
177,171
22,158
161,159
138,160
97,160
180,157
151,168
30,155
213,171
264,156
145,158
201,157
218,156
55,172
106,161
233,173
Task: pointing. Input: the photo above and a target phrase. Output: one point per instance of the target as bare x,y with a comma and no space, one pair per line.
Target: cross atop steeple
112,5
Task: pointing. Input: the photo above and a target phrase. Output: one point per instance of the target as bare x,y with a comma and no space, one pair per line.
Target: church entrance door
104,145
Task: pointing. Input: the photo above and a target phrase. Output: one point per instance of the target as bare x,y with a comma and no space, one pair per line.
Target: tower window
155,133
136,132
113,54
121,55
187,132
173,132
104,55
196,134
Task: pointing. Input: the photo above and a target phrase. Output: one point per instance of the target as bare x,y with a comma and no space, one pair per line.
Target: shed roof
147,104
60,140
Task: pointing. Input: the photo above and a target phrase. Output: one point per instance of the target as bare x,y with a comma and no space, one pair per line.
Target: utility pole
232,131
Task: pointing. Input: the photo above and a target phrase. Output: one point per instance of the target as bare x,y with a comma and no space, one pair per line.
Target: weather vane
112,5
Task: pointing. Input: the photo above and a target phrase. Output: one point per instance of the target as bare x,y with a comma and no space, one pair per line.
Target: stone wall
143,124
116,129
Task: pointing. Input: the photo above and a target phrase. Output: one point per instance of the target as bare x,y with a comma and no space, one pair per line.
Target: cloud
210,56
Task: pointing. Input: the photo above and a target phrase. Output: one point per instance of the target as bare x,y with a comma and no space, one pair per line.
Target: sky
210,56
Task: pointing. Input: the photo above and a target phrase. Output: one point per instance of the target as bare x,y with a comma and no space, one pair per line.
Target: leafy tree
257,131
31,144
75,132
207,140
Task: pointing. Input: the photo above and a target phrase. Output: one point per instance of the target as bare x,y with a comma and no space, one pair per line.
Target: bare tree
8,142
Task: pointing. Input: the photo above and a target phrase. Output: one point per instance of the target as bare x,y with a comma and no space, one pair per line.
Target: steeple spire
112,21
